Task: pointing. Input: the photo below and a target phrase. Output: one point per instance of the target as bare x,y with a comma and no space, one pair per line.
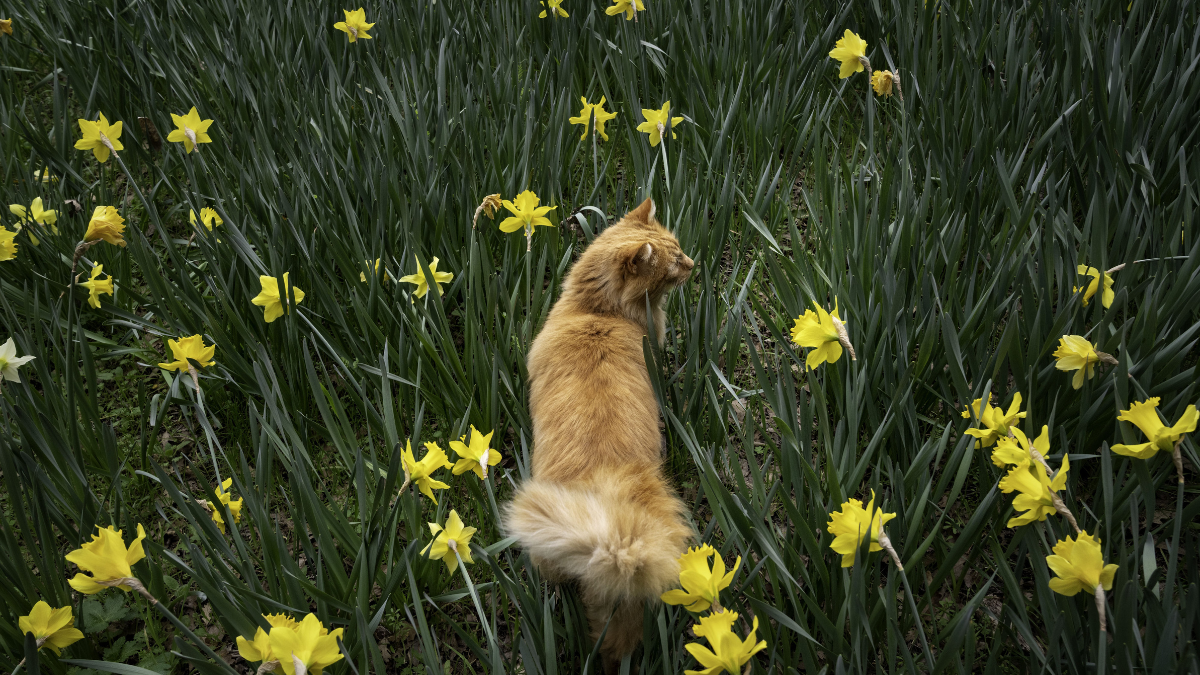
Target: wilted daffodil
1079,564
882,81
590,112
851,50
189,130
1106,297
9,361
106,224
100,137
362,276
308,644
525,213
439,278
37,214
852,523
1144,415
421,472
726,653
191,347
477,456
97,286
555,9
1076,353
994,422
355,26
448,540
53,628
823,332
1037,492
626,6
702,585
657,122
270,298
8,244
208,216
234,505
109,561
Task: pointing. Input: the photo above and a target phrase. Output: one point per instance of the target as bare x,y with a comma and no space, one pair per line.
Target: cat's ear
644,213
637,257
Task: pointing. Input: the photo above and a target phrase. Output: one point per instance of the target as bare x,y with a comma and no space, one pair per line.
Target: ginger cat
598,509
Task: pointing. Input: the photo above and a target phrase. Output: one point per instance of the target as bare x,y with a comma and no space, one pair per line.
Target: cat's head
635,258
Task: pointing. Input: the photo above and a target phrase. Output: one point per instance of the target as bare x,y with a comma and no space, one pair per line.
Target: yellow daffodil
823,332
208,216
477,456
100,137
421,473
34,213
850,50
439,278
626,6
1106,298
726,653
189,348
189,130
234,505
1076,353
44,176
6,26
8,244
1036,490
525,213
994,422
881,82
106,224
9,361
590,112
309,643
107,558
1079,564
657,121
53,628
1017,451
1144,416
362,276
270,298
259,649
96,286
448,540
702,585
555,9
852,523
355,26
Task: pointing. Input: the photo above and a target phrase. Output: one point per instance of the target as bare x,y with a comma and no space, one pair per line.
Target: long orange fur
598,509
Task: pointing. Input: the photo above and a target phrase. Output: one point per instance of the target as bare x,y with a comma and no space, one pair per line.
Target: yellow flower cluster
292,645
702,585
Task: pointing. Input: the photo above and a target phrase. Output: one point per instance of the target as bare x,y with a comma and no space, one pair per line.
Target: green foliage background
1032,137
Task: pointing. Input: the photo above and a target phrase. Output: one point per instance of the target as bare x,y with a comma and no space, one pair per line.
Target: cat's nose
688,262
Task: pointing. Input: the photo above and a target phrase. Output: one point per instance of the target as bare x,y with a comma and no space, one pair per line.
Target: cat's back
590,395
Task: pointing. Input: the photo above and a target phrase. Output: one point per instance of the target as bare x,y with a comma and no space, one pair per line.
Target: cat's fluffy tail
620,537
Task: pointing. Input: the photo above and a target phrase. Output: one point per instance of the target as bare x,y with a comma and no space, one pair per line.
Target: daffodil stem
1100,606
912,603
1120,267
487,628
1177,457
886,543
662,144
266,667
137,585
